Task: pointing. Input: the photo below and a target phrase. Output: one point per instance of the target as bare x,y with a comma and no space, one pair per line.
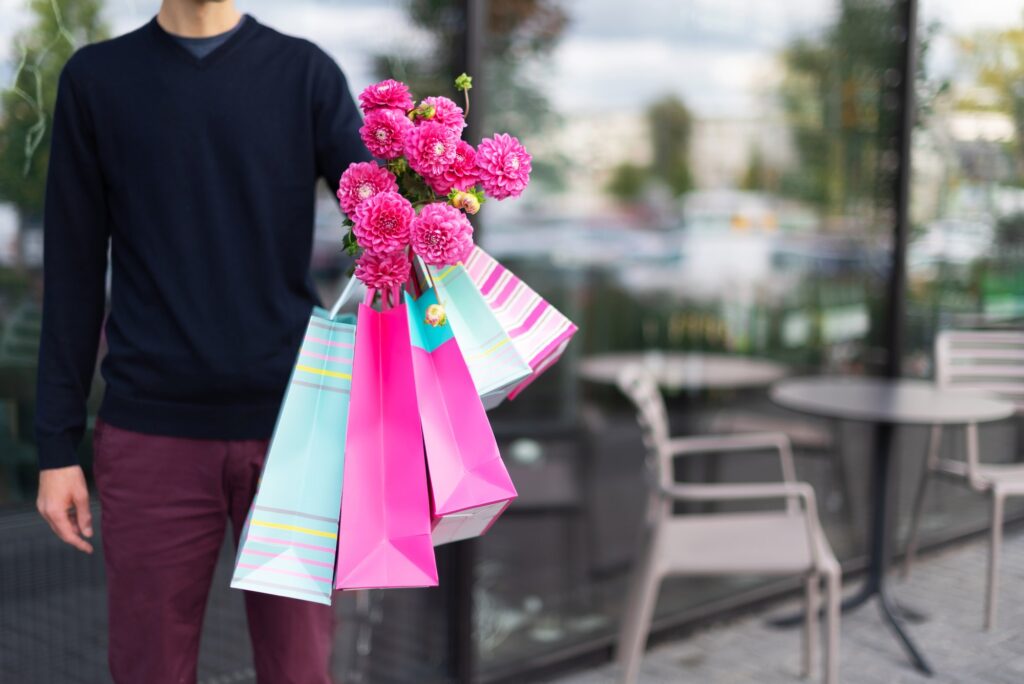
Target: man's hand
64,503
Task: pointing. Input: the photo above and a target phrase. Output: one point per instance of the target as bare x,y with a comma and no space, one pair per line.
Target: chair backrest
989,360
642,390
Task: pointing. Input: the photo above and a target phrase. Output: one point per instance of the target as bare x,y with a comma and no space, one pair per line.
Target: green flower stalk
464,82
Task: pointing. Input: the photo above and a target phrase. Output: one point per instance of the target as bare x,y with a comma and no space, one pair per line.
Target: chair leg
639,611
922,492
833,596
913,534
994,551
812,604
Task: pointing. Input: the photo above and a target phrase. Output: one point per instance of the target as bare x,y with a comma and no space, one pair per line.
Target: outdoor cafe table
692,372
676,371
886,403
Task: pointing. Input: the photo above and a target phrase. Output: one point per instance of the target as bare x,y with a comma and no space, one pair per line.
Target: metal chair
782,542
992,361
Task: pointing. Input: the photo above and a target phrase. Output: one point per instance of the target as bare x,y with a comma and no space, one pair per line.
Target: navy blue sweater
200,175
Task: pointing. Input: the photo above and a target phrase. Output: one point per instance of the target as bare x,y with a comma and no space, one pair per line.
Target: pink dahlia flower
446,113
504,166
460,175
383,271
360,182
382,222
384,132
441,234
389,94
430,148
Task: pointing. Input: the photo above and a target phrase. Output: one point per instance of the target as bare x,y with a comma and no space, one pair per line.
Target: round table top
894,401
686,370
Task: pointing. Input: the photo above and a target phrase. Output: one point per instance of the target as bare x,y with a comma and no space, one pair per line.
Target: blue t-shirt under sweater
200,47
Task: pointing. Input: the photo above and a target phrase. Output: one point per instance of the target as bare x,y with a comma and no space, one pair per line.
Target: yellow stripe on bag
488,352
294,528
445,273
319,371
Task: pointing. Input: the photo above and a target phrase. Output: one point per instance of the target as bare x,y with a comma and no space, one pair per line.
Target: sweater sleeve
74,270
336,123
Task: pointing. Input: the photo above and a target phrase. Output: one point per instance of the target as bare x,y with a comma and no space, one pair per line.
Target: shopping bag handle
345,295
389,298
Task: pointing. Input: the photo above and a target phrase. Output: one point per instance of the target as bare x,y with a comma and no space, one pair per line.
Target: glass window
713,185
966,255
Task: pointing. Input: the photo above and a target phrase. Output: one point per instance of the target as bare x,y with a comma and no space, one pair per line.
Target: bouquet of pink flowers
378,396
417,202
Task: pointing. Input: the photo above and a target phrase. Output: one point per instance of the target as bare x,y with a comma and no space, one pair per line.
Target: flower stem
464,82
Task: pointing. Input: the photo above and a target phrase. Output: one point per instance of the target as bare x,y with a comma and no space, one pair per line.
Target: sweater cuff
56,451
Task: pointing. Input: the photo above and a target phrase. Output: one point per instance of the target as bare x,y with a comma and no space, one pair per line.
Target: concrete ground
948,587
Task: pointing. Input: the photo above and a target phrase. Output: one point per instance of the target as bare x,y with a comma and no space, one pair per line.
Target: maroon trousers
166,502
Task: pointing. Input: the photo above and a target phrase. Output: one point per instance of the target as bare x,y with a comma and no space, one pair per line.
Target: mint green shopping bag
289,543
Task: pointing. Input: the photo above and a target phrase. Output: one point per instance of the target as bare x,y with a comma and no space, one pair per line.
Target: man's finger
83,514
61,523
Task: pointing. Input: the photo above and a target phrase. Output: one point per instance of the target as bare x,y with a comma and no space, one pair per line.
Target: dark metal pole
882,486
459,559
897,286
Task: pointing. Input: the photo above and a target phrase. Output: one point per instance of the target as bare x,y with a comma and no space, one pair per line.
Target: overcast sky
718,55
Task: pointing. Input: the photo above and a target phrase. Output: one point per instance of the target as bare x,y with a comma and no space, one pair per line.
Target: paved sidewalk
949,587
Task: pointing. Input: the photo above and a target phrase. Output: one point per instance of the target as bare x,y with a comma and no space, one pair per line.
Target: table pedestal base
875,585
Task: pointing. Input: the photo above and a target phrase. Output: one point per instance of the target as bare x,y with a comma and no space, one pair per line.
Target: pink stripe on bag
340,359
509,288
270,540
275,555
491,280
304,575
320,340
515,311
530,320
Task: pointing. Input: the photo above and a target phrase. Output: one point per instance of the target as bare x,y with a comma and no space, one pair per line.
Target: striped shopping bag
494,362
539,331
289,542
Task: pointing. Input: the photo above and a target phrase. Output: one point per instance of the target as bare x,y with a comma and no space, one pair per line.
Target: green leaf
349,244
398,166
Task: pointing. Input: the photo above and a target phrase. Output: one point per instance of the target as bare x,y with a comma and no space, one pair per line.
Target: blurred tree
833,96
26,106
627,182
521,34
759,176
670,122
838,94
997,58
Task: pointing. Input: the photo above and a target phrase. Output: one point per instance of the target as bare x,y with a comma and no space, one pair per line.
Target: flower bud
466,201
423,111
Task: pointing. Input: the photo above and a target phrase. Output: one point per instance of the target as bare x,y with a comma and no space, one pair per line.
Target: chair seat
1005,476
1008,477
739,543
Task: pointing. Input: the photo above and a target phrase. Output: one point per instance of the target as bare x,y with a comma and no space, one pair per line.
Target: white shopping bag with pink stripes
539,331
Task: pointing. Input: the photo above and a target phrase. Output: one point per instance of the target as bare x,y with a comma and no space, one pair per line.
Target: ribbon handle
346,293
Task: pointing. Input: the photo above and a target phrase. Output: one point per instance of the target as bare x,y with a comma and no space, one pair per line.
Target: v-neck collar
239,33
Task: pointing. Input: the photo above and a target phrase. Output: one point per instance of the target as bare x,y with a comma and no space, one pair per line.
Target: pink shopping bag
469,484
384,532
539,331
